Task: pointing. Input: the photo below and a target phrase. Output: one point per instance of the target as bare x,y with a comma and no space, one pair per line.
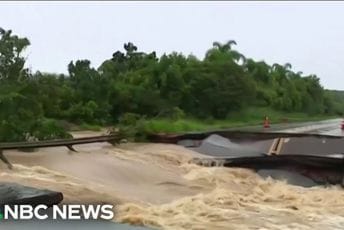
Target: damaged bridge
54,143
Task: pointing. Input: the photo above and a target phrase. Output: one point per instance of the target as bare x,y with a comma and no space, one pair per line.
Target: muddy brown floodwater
156,186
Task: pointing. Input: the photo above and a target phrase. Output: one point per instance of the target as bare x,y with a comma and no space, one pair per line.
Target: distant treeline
134,83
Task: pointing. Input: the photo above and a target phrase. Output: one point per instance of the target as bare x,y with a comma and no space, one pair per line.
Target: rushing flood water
154,185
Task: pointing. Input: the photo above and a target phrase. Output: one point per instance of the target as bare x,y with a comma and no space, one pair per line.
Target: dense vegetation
134,84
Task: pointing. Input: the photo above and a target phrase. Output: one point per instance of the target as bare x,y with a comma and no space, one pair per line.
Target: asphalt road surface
312,145
304,145
330,127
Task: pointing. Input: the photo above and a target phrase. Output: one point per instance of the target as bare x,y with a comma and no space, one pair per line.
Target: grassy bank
248,117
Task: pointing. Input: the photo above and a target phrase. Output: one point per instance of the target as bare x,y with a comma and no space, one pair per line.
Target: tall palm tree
226,49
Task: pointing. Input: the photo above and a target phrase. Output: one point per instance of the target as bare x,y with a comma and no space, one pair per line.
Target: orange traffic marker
267,123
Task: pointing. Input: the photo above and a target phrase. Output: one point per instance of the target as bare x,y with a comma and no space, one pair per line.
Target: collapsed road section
306,170
298,158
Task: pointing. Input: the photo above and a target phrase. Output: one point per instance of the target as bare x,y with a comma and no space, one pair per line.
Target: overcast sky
309,35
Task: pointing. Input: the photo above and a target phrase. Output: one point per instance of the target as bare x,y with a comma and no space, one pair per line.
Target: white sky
309,35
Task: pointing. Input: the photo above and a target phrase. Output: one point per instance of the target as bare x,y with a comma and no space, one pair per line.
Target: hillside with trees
134,85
